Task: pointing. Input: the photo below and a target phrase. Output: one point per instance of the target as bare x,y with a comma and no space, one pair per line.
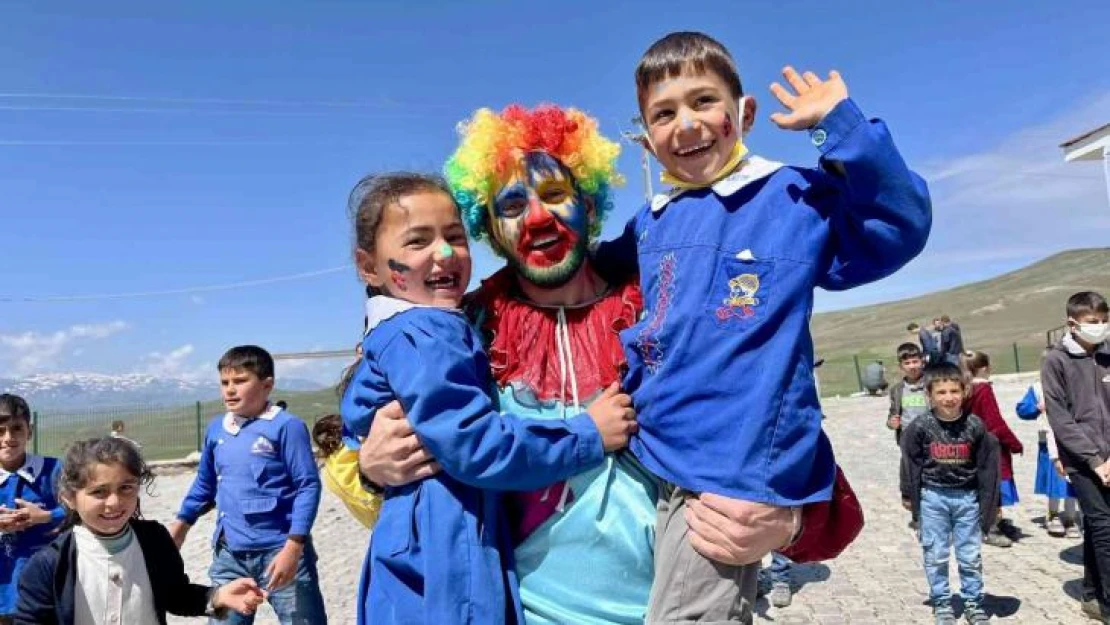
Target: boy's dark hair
248,358
328,434
943,372
118,426
913,327
14,407
1086,303
80,458
908,350
945,319
680,52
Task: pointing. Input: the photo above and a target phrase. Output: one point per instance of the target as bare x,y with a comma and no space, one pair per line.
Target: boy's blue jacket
35,482
262,476
721,365
441,551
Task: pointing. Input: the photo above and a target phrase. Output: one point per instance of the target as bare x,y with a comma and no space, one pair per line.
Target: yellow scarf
739,151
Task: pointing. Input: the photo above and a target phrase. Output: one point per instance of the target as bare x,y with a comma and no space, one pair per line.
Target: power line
182,291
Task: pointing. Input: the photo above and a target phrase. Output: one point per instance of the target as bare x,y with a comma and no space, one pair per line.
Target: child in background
907,398
118,427
29,507
949,480
1052,481
441,551
257,466
340,471
983,403
112,567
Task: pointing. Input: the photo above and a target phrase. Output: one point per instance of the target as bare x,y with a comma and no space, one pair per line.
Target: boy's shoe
1056,527
995,539
1009,530
1072,531
781,596
944,616
975,615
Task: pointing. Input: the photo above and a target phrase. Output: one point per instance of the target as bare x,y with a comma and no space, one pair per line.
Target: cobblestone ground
877,580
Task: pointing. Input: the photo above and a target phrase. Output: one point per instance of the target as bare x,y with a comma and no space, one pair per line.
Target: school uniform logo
741,300
263,447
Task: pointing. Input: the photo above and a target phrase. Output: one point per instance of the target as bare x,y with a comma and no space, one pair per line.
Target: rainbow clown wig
493,144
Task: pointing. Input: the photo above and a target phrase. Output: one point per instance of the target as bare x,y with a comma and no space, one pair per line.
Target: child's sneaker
944,616
995,539
1072,531
1009,530
975,615
781,596
1056,527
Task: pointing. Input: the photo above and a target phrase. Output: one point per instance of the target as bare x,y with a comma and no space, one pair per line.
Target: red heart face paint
726,130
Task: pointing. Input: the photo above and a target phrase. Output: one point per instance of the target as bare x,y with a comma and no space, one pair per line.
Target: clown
536,185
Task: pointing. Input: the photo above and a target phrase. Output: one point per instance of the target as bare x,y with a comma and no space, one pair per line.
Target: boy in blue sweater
258,468
29,508
721,365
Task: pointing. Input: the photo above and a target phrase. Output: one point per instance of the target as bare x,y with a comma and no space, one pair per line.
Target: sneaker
781,596
1009,530
995,539
1056,527
1091,610
975,615
944,616
1072,531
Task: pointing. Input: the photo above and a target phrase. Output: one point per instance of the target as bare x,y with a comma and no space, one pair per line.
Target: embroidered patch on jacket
741,300
650,345
263,447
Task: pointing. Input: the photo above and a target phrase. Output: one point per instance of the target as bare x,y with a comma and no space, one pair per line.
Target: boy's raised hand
614,417
813,100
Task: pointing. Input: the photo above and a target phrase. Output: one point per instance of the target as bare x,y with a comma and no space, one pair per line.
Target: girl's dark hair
79,460
14,407
328,434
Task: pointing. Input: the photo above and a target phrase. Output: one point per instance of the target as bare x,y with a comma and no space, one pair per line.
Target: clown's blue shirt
721,364
441,551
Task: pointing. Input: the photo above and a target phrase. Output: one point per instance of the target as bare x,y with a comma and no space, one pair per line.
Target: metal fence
164,432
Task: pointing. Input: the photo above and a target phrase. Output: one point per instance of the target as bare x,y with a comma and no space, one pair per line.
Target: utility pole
638,138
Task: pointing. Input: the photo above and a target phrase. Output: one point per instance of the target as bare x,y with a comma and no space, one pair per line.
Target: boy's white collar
233,423
752,169
31,469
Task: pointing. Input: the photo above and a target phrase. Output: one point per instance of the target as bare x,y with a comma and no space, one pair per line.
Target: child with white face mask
1076,381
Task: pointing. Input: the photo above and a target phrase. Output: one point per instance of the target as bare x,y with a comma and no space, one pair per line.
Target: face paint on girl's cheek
726,130
396,274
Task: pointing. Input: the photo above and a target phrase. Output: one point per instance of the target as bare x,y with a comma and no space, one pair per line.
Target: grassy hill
1016,308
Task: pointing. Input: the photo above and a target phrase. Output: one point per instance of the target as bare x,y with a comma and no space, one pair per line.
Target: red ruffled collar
521,337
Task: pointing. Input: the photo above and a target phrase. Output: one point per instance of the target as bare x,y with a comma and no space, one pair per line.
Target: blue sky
160,146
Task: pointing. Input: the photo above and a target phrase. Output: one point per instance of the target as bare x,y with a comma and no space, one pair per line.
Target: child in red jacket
982,402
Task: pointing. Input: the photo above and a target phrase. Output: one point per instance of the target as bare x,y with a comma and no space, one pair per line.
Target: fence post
1017,360
859,374
199,441
35,431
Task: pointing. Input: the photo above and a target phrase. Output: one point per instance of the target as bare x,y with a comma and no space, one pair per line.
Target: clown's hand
813,100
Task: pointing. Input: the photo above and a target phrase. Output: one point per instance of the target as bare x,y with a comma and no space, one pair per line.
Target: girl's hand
242,595
12,520
34,513
814,99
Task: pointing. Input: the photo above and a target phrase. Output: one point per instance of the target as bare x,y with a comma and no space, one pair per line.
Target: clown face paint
541,221
397,273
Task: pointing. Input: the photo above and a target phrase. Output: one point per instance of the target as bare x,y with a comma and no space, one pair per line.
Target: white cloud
35,352
196,299
176,364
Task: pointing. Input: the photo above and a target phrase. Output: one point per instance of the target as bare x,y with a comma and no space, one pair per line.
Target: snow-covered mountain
73,390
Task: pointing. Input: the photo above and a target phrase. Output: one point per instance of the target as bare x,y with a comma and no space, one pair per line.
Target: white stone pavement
877,580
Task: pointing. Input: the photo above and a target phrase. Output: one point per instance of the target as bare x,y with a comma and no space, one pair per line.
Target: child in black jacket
112,567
